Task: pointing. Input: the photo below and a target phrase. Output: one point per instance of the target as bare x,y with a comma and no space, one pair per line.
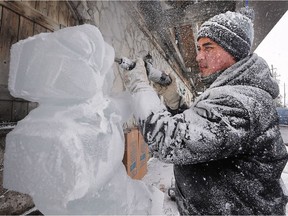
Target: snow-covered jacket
227,148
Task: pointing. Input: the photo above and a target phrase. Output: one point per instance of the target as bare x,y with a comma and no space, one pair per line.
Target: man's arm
211,129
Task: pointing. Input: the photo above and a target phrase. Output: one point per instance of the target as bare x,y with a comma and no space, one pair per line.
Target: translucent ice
67,153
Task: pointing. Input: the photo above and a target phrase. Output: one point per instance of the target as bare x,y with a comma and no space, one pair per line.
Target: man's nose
199,56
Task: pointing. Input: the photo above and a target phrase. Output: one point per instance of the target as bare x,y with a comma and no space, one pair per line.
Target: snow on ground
160,175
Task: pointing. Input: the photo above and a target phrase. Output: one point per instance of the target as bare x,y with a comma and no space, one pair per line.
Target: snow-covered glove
144,98
136,79
157,76
170,93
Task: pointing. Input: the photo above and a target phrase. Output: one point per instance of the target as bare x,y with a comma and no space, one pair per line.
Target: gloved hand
157,76
144,98
136,79
174,98
170,93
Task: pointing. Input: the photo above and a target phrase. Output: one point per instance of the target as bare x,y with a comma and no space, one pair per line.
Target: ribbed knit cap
231,30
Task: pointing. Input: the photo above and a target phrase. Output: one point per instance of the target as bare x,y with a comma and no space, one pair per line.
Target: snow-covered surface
67,153
160,175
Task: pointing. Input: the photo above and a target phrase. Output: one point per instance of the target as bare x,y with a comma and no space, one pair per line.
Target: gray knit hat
231,30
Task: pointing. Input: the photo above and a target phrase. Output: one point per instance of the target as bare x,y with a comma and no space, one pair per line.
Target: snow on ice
67,153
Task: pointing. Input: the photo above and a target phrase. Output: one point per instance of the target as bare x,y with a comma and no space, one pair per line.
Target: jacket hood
250,71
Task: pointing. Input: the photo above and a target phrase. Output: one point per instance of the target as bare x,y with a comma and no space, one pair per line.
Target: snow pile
67,153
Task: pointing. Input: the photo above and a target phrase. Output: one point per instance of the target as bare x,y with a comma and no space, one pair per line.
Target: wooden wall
19,20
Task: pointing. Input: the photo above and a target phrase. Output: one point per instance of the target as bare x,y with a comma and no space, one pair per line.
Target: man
227,149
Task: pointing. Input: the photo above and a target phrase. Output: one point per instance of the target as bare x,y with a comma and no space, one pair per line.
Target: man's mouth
202,67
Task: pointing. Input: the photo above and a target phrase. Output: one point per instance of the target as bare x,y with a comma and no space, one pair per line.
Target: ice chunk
67,153
64,66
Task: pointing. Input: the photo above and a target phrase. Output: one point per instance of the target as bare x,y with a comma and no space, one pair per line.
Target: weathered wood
42,7
25,28
71,20
73,13
53,8
29,3
31,13
63,13
8,36
38,29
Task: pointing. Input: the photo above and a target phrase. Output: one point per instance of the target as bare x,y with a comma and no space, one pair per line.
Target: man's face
211,57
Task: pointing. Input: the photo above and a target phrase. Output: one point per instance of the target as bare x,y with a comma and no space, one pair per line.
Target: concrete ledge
14,203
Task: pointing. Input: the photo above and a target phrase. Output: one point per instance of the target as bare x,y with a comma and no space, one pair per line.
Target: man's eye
208,48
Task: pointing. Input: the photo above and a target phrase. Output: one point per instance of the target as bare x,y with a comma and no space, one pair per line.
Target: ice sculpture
67,153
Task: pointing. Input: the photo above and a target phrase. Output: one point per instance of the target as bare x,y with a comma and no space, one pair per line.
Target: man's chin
204,73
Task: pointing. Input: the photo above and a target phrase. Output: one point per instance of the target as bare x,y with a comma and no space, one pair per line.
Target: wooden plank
25,28
75,17
63,13
42,7
38,29
29,3
8,35
31,14
53,8
71,19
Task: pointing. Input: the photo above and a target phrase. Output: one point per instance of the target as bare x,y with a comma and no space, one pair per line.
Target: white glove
136,79
144,98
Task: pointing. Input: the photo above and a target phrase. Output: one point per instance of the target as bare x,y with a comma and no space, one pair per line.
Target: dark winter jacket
227,148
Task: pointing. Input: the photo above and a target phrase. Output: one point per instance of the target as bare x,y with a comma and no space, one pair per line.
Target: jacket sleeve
211,129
